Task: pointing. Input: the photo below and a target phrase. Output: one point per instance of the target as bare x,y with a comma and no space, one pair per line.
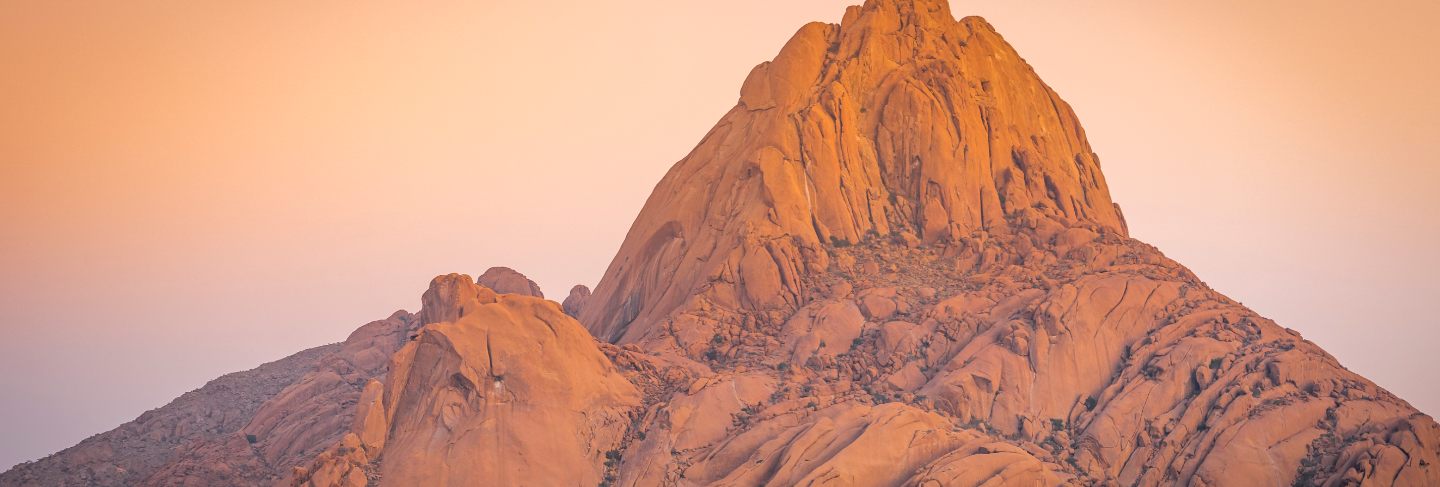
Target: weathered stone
505,280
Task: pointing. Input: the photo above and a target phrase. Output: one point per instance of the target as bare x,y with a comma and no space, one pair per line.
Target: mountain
894,262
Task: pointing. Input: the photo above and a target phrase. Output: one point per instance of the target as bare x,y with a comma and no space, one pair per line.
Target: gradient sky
189,188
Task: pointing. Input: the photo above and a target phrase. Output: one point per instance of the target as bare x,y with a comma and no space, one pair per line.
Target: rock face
510,391
505,280
894,263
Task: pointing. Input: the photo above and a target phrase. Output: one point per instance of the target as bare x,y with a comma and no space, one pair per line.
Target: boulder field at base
895,262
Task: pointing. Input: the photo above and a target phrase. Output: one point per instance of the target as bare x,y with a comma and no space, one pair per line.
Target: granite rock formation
510,391
899,213
895,262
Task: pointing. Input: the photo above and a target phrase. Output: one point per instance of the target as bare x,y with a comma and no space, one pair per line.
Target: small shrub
1090,403
252,439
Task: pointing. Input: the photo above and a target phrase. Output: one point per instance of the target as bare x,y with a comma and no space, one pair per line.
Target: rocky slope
246,428
894,262
211,415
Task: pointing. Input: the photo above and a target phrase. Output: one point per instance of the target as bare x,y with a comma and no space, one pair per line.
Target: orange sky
189,188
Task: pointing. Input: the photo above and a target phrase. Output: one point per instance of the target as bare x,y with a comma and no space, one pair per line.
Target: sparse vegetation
612,463
778,395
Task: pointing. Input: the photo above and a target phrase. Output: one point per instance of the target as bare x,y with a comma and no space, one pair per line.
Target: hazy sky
189,188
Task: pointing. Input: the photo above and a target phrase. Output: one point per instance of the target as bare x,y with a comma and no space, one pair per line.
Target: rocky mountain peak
900,121
894,262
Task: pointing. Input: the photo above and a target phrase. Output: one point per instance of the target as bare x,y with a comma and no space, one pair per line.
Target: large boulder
505,280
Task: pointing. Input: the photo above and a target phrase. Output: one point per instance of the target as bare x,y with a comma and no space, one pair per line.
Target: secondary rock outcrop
510,391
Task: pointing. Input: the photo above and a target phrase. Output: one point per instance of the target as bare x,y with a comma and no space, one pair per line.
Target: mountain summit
895,262
900,120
